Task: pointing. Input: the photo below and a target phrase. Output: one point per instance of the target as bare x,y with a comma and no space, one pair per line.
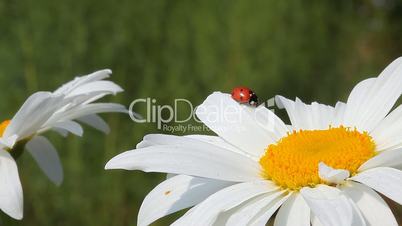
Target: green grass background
316,50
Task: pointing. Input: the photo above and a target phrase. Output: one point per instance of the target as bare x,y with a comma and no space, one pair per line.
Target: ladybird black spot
241,97
241,90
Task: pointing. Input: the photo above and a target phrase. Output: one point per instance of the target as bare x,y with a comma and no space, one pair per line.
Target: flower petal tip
18,216
111,164
331,175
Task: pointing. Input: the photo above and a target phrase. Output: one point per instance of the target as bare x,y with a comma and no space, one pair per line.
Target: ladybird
244,95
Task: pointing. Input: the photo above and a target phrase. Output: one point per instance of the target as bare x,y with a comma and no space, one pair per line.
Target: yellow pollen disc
293,161
3,126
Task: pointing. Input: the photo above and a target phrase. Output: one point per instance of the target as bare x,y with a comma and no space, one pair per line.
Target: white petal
194,158
164,139
304,112
217,141
8,142
238,124
207,212
47,158
83,99
331,207
29,106
182,221
83,110
391,158
61,132
92,97
340,108
70,126
387,135
33,114
95,109
358,218
331,175
145,144
96,87
314,220
387,181
322,115
373,99
305,116
224,216
263,217
96,122
78,81
257,210
11,201
289,106
294,212
354,104
372,206
267,120
175,194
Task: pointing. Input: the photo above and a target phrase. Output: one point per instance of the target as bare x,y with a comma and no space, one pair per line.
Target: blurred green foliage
316,50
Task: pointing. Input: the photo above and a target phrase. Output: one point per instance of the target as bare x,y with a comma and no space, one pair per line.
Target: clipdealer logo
164,115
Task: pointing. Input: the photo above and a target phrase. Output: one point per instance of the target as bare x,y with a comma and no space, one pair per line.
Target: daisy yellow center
3,126
293,161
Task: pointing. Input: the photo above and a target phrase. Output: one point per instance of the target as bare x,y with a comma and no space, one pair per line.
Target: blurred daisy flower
324,169
60,111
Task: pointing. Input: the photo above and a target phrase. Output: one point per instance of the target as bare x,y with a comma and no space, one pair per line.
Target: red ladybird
244,95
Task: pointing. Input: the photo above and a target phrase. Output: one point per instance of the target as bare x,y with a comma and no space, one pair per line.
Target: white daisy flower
42,111
324,169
